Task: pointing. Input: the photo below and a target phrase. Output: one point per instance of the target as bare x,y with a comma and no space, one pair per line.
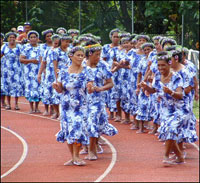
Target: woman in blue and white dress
108,54
188,132
31,58
49,97
3,103
124,77
11,83
169,86
97,115
134,58
144,100
74,82
43,47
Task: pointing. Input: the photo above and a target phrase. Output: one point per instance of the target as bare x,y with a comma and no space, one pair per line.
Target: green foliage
99,17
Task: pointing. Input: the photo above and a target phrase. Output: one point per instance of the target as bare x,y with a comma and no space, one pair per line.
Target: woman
3,103
49,97
43,47
107,54
97,115
169,86
12,81
124,77
60,55
134,58
31,59
74,82
144,100
188,132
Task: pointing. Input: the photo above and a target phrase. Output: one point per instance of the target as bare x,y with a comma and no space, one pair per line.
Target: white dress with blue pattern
134,60
48,91
11,71
74,113
172,118
32,87
97,115
144,102
188,134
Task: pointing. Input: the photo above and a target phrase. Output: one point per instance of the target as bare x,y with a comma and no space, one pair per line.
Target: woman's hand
167,90
90,87
98,89
39,78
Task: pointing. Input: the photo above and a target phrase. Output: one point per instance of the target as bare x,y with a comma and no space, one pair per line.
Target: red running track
139,156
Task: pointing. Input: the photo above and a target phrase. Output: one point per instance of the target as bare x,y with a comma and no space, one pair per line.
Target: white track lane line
112,163
23,156
114,152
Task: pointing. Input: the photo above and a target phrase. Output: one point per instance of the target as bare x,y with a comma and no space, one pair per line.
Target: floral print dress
11,71
74,113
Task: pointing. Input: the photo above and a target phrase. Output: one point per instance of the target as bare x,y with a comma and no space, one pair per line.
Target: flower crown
156,38
47,31
61,28
93,47
73,31
10,33
33,32
75,49
55,36
163,57
142,36
66,37
124,39
168,40
148,45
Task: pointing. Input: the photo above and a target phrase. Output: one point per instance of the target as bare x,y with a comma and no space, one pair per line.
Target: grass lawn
196,109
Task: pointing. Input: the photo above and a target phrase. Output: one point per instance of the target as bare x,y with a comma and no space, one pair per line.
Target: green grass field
196,108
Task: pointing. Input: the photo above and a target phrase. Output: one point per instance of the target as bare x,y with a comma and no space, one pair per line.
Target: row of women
154,82
140,78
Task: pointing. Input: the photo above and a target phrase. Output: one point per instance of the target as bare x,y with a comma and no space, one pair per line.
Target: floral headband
84,38
148,45
142,36
10,33
163,57
66,37
33,32
168,40
55,36
156,38
73,31
124,39
61,28
124,34
93,47
75,49
47,31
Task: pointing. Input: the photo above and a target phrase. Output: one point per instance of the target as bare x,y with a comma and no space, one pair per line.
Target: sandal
118,119
79,163
17,108
69,163
31,112
37,111
8,107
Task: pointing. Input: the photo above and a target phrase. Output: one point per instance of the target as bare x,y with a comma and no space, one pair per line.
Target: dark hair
163,55
175,52
91,42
